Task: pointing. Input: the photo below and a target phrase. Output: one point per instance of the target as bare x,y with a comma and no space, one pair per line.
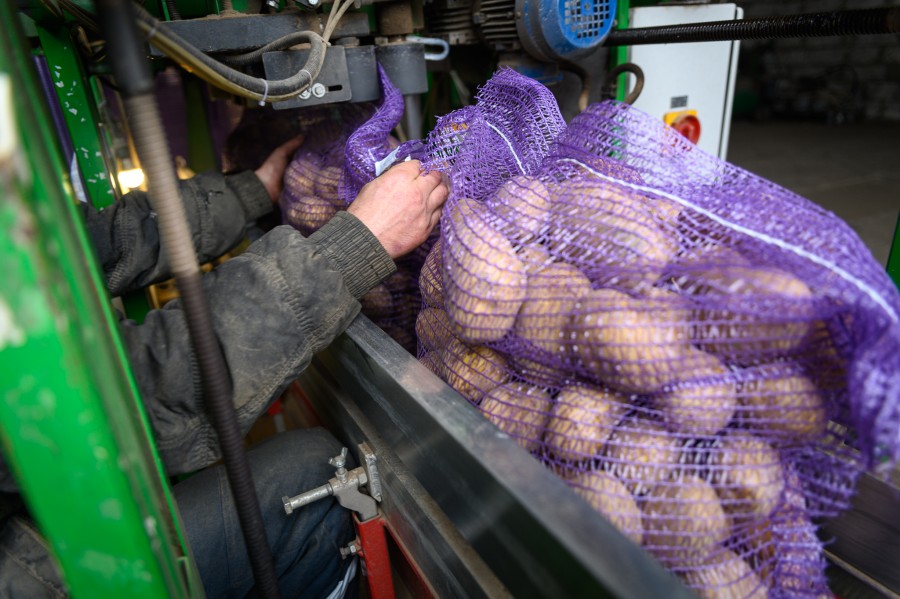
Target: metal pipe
132,74
849,22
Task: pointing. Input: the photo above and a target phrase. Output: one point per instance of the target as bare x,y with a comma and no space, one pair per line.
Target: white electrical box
688,85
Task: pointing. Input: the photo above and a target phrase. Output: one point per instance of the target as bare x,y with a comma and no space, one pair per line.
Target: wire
286,41
332,24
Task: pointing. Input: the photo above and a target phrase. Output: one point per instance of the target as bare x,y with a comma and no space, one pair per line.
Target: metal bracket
346,486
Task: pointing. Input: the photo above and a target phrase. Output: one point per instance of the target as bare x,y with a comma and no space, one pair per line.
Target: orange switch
685,122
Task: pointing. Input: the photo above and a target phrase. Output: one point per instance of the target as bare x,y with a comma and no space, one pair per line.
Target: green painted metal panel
78,102
620,53
893,265
73,430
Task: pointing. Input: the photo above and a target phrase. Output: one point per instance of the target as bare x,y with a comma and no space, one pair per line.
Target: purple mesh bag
310,196
372,141
708,359
507,133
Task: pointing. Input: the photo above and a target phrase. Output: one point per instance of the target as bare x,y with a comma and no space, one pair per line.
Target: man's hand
271,173
401,207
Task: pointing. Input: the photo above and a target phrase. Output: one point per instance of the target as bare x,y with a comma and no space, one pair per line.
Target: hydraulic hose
849,22
132,75
286,41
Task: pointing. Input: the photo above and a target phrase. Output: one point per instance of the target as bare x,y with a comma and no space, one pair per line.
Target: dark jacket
273,306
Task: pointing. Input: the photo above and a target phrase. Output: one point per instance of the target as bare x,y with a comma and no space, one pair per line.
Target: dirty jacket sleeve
126,238
273,307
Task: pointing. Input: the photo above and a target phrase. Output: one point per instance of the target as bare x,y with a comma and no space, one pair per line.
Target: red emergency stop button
685,122
689,126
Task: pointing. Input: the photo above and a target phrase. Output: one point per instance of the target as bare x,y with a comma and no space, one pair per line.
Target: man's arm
273,307
217,207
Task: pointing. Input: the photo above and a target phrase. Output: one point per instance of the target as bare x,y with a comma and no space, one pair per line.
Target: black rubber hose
173,10
286,41
133,77
849,22
627,67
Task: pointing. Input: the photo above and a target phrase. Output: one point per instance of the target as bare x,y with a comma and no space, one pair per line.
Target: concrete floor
851,170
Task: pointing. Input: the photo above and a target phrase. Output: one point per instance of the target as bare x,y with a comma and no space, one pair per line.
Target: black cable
132,73
253,56
627,67
173,10
849,22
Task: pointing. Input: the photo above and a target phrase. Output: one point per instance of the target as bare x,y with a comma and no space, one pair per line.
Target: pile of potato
658,370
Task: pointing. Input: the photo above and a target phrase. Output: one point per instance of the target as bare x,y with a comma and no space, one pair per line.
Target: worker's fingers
291,145
437,196
409,169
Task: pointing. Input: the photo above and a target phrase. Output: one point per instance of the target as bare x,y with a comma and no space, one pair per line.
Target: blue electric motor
552,30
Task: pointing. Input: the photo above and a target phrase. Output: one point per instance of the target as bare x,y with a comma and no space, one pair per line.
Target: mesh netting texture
708,359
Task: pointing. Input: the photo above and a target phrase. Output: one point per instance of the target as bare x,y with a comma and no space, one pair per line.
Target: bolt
337,461
272,3
288,508
352,549
313,2
318,90
304,95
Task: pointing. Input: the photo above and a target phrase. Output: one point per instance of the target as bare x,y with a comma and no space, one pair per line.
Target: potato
401,281
308,213
724,576
747,475
582,420
779,400
378,303
520,410
704,402
433,328
785,544
326,182
523,204
606,494
665,210
683,520
633,344
744,313
642,453
431,282
484,280
610,234
298,175
473,371
538,373
432,361
547,308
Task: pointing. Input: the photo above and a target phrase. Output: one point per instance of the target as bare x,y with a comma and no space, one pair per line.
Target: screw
304,95
318,90
313,2
352,549
272,3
